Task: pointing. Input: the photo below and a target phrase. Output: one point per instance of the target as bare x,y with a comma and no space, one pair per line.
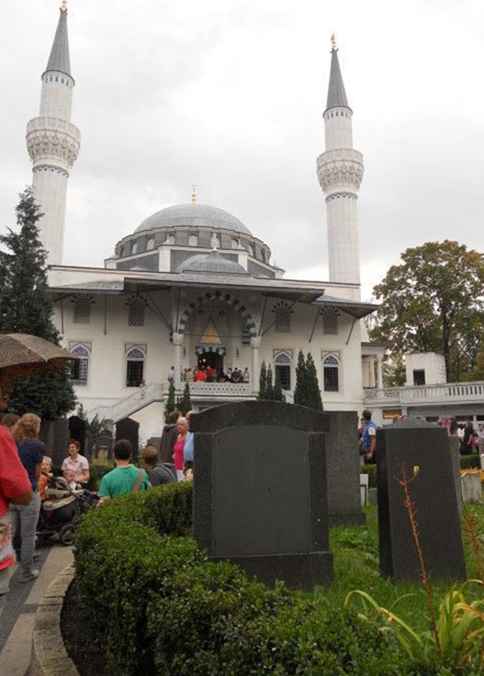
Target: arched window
282,368
80,366
331,366
134,247
135,366
193,239
150,244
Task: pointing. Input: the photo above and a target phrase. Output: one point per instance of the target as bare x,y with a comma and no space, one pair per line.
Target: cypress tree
26,307
278,393
171,401
269,386
300,394
263,381
186,402
314,393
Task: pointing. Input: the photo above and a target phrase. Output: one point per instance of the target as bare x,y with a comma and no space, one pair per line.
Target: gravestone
154,441
260,490
420,451
103,446
343,460
55,435
77,431
129,429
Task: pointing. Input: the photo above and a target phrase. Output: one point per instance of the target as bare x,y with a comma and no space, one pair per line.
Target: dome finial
333,42
194,194
63,7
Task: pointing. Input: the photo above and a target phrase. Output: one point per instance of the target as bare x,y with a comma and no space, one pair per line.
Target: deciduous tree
433,301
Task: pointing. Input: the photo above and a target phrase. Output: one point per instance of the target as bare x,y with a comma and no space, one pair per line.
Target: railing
123,408
148,394
221,389
427,394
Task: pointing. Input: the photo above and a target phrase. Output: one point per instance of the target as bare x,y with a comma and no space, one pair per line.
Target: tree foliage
312,387
263,381
171,401
433,301
184,404
26,307
300,393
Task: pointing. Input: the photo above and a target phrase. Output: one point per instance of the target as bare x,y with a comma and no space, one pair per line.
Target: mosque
193,284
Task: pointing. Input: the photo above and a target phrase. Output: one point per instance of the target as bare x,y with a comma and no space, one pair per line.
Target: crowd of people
27,481
470,440
205,373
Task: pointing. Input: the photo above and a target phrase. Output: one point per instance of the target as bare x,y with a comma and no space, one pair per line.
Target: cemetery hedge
151,603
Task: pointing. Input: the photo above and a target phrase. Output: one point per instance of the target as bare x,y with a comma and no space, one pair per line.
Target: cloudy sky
228,95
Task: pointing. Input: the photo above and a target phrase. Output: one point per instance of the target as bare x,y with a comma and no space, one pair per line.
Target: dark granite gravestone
103,445
421,451
77,431
55,435
343,459
129,429
260,495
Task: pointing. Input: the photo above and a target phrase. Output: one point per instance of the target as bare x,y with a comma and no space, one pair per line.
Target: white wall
432,363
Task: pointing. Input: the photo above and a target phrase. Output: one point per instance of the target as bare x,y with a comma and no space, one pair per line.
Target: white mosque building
192,282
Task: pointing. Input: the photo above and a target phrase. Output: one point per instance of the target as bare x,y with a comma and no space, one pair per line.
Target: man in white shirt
75,465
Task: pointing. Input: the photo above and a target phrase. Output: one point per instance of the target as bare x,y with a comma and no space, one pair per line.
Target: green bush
157,606
470,462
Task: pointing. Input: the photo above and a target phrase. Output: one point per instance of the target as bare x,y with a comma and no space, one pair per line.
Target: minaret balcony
340,169
52,139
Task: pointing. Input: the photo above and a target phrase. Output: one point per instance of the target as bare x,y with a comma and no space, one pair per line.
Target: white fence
448,393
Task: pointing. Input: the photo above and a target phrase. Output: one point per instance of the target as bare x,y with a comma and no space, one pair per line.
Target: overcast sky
229,95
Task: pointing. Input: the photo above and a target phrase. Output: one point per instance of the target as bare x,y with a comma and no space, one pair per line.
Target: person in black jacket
168,438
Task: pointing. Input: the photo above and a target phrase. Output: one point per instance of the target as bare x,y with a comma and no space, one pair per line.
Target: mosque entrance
211,359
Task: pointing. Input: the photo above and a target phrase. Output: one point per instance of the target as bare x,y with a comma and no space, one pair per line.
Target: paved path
17,620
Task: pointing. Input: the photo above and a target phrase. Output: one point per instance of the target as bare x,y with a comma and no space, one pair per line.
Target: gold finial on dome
333,41
63,7
194,194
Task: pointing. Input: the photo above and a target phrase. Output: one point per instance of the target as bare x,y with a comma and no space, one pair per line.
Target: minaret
340,171
53,142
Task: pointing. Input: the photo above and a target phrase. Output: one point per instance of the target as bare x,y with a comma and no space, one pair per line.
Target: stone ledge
49,656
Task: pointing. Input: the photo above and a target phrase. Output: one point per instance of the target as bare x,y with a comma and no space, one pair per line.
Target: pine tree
300,392
26,307
312,384
263,381
171,401
278,393
269,387
185,403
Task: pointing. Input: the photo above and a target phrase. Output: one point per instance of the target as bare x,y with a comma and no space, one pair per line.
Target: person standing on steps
25,517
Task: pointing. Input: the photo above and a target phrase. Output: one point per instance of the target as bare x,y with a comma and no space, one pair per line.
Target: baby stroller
60,513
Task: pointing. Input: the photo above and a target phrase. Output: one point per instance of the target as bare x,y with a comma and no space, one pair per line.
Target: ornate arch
219,296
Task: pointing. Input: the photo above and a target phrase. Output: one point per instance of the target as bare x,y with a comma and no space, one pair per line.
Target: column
178,339
379,370
255,343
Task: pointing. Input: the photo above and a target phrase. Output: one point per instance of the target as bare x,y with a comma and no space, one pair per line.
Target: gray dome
193,215
212,262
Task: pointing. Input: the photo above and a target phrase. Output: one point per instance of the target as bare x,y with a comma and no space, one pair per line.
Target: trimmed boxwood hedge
156,605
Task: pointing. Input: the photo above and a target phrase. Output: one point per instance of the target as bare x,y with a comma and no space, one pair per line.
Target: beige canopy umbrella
22,354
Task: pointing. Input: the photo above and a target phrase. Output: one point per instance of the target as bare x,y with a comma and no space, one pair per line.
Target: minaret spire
336,89
59,59
53,142
340,171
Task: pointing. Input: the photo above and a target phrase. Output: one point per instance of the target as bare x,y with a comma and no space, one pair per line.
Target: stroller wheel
66,535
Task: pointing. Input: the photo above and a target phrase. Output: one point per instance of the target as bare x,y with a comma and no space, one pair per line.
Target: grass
356,566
